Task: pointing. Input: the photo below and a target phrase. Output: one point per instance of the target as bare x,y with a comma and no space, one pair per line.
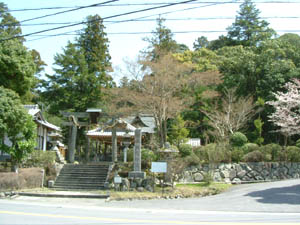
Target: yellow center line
136,220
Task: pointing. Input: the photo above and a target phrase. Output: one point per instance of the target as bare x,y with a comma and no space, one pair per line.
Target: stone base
136,174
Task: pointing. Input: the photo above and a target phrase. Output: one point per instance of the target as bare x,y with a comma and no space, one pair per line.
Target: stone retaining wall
241,172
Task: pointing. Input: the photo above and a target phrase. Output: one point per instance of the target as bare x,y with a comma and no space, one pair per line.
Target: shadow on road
284,195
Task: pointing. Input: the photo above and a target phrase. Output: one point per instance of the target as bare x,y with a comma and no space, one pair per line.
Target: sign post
159,167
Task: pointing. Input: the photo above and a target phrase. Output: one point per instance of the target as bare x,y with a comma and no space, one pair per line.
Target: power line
61,34
109,17
136,19
71,10
145,4
167,19
70,33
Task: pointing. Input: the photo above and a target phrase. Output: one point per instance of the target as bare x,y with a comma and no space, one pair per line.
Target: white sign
159,167
117,180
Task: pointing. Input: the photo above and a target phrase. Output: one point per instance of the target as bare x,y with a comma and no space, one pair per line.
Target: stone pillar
44,139
137,162
87,149
125,153
114,145
72,143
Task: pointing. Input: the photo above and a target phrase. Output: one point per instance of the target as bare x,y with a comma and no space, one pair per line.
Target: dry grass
180,191
26,178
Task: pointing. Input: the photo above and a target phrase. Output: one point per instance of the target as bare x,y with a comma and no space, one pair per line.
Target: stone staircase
83,176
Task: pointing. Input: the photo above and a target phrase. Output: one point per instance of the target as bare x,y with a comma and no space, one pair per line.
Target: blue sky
207,17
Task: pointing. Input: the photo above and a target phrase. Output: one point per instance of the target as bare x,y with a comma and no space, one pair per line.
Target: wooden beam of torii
73,122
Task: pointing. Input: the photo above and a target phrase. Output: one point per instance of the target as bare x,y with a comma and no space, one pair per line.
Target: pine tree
178,133
248,29
17,65
162,42
82,71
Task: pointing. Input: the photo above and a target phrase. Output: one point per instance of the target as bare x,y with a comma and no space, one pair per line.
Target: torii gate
92,114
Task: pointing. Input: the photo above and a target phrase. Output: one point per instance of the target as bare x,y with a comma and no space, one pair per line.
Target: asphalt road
267,203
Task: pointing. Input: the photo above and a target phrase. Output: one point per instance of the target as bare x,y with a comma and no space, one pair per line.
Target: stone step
85,166
71,176
68,184
82,176
80,169
79,188
80,181
74,175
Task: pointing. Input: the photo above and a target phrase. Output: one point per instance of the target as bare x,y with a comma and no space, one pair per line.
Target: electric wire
60,34
167,19
67,11
145,4
109,17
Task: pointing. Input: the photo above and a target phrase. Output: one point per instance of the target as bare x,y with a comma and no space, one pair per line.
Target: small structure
116,133
46,132
120,133
145,122
194,142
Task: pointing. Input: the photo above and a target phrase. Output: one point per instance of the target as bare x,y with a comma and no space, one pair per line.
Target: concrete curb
57,195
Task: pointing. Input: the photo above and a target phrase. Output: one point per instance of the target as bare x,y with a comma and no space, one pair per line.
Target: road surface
266,203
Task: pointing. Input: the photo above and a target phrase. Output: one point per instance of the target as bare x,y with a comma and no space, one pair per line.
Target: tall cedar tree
248,29
82,71
16,62
162,42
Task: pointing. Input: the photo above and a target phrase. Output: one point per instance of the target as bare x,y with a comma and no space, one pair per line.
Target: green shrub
238,139
40,158
298,143
147,156
214,153
273,150
250,147
129,155
255,156
192,160
293,154
202,154
237,154
185,150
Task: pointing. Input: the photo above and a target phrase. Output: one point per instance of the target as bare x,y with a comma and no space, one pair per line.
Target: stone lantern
126,141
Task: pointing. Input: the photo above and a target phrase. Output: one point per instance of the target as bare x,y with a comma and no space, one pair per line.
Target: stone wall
241,172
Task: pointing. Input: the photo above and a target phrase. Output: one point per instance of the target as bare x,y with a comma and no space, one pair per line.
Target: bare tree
159,92
231,115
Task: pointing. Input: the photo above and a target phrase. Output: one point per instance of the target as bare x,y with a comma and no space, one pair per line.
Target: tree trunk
14,166
165,131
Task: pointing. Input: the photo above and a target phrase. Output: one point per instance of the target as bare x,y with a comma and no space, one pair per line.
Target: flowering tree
287,110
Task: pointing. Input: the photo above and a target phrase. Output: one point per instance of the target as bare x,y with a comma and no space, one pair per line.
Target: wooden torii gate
73,123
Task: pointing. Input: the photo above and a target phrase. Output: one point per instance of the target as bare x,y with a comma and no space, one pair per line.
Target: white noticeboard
159,167
117,180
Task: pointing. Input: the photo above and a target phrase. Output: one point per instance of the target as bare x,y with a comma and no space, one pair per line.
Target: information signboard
159,167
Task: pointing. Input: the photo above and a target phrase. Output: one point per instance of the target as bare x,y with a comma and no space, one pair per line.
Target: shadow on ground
284,195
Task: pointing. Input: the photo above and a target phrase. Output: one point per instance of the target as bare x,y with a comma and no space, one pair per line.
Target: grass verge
180,191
